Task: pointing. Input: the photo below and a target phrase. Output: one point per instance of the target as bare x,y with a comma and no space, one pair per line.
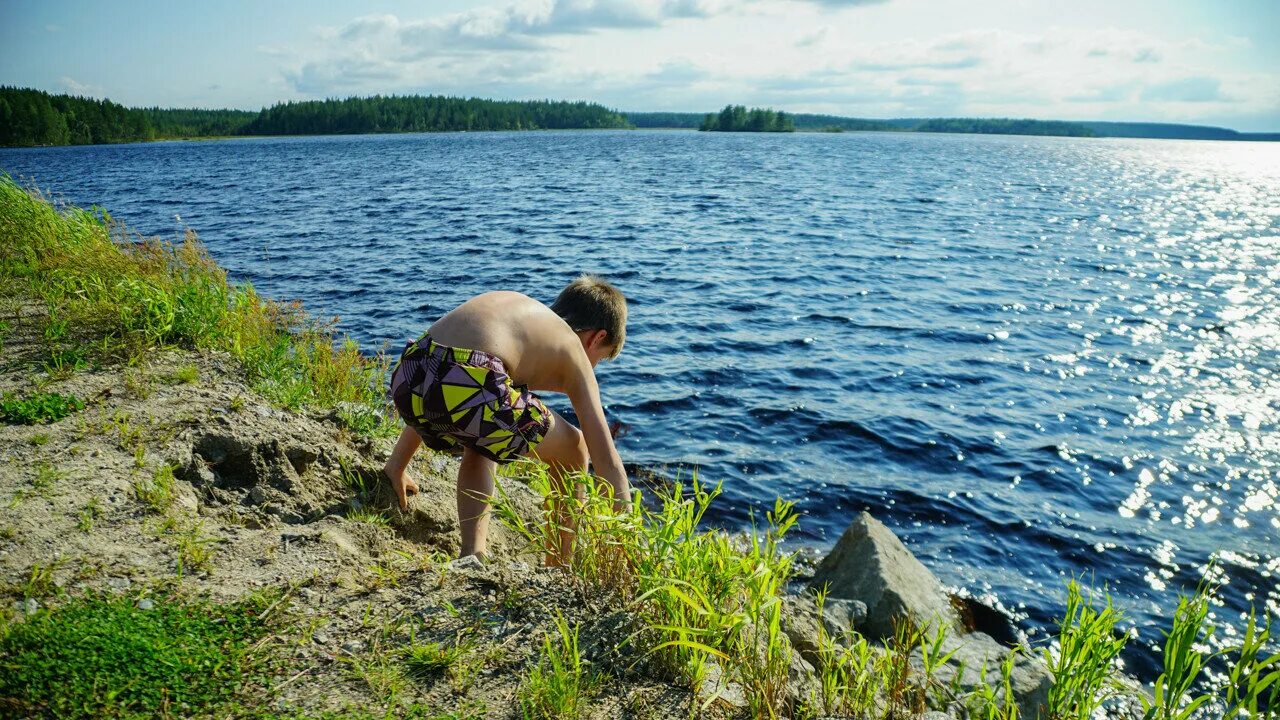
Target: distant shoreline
38,119
693,131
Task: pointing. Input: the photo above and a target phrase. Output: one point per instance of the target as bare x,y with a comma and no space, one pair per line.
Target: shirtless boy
467,383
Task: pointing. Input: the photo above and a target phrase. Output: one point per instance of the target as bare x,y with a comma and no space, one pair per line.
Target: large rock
801,622
870,564
1030,679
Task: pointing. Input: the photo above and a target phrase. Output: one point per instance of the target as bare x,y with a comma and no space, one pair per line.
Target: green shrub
39,408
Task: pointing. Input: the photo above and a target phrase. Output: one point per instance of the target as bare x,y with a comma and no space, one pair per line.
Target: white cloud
75,87
797,54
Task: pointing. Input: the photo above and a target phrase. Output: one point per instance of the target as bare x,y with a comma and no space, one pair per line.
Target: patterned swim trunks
456,397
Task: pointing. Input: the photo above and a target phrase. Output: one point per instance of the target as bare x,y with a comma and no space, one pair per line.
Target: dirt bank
176,476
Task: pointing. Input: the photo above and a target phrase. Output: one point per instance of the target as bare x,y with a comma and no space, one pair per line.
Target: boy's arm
584,394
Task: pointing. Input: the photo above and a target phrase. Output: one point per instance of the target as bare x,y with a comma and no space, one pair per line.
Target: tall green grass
111,295
701,598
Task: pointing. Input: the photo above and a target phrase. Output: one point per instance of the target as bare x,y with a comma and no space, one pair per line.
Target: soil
268,492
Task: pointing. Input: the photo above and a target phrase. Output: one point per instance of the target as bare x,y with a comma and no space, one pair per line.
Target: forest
34,118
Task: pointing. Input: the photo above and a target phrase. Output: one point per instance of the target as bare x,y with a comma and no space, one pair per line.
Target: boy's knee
579,454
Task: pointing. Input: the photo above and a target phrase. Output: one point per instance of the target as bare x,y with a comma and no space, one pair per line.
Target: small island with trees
737,118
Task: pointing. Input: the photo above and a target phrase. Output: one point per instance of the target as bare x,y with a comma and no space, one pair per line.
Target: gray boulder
1030,679
803,625
871,565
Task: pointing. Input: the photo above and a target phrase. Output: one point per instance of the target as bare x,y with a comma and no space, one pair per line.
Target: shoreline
187,466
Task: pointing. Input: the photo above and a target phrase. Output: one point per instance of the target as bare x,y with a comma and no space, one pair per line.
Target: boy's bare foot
402,485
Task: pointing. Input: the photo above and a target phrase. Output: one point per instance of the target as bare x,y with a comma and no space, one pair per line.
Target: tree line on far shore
737,118
33,117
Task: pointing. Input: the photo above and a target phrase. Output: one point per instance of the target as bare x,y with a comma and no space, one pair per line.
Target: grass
184,375
701,599
156,492
37,409
46,476
559,685
111,295
102,656
1087,648
91,512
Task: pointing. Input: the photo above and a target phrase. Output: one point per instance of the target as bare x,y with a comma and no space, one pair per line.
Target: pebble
353,646
470,562
118,583
29,606
146,604
321,639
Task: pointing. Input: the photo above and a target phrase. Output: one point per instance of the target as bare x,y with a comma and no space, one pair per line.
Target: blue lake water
1032,357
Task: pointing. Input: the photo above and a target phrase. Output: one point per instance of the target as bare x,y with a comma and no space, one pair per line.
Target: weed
1087,649
1183,660
365,515
237,403
1252,673
184,375
423,661
40,439
698,595
558,687
46,476
195,548
8,532
88,515
128,436
381,673
40,582
156,491
40,408
138,383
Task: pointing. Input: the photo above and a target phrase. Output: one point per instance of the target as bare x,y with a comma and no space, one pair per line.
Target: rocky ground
177,474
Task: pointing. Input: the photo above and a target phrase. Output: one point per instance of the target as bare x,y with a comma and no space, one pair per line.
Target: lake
1031,357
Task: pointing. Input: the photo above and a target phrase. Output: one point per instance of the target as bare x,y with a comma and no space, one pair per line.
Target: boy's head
590,304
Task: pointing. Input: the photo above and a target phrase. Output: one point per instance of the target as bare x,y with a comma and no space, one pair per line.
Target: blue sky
1176,61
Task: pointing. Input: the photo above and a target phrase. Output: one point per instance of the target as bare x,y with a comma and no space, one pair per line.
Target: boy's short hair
590,303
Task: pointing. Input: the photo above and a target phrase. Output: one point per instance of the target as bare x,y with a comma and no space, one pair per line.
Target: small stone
118,583
30,606
308,594
520,566
320,638
470,562
353,646
714,688
146,604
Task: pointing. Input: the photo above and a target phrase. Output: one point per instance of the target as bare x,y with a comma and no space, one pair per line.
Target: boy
467,383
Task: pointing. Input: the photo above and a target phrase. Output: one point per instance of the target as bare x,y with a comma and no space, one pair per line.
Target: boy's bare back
538,348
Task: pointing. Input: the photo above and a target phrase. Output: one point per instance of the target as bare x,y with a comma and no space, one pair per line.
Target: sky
1196,61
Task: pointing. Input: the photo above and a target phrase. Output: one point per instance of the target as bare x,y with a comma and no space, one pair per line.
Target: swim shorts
455,397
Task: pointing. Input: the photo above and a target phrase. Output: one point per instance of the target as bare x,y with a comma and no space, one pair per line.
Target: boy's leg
565,452
475,490
406,446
